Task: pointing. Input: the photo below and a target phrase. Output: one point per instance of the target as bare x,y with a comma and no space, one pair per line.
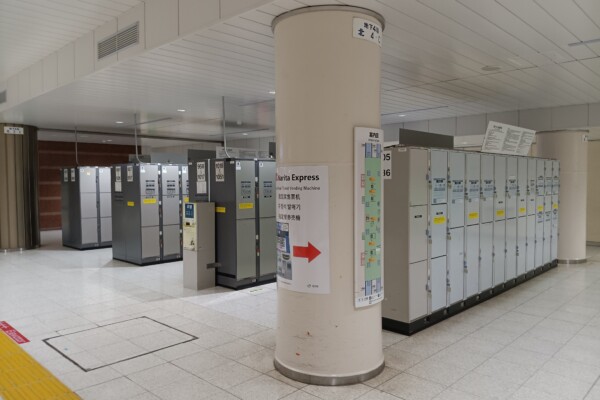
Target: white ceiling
32,29
433,55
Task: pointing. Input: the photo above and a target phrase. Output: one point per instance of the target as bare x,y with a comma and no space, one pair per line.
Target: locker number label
386,164
220,171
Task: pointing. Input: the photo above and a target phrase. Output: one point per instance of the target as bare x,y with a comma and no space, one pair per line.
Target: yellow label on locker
473,215
246,206
439,220
130,204
186,199
149,201
522,210
500,213
540,208
555,206
220,210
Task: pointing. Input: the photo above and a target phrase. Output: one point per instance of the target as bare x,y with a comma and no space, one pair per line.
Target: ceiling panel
32,29
432,59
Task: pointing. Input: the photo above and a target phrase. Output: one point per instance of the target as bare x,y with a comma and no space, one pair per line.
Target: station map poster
507,139
368,216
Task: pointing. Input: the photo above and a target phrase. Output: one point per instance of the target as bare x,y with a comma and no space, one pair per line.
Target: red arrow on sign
310,252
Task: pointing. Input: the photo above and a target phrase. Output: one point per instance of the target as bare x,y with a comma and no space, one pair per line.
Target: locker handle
428,287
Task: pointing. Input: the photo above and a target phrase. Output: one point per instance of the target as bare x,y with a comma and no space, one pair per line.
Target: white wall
540,119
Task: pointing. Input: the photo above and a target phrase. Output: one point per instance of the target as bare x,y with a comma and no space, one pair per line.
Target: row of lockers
85,207
458,224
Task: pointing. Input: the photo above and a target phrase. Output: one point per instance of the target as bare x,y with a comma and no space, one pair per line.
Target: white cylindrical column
570,148
327,83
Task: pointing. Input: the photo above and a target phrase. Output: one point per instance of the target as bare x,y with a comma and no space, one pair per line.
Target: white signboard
368,216
130,173
14,130
118,187
386,164
201,177
66,175
367,30
72,174
303,229
507,139
219,171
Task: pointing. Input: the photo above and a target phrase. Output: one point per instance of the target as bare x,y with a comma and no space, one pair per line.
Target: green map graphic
372,204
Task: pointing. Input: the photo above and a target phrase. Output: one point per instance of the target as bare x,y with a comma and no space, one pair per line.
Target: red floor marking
12,333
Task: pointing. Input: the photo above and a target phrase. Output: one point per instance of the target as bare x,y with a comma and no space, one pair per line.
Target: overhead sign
303,229
14,130
367,30
507,139
368,216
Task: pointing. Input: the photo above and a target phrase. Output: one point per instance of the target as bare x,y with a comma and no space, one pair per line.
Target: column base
576,261
322,380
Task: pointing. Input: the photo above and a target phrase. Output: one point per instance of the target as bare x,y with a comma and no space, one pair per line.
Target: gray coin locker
146,200
531,185
472,218
487,188
85,207
549,177
512,186
511,249
522,216
499,219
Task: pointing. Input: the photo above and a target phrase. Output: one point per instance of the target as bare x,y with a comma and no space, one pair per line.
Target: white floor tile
262,388
159,376
485,386
411,387
117,389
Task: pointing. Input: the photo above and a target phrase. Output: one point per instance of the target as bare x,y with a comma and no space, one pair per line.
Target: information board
368,216
303,229
507,139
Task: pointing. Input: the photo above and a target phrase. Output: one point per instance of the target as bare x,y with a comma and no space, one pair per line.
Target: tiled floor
538,341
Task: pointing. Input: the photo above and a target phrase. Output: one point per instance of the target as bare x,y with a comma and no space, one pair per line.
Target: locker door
89,230
539,232
554,230
531,185
417,178
438,174
437,231
540,177
549,177
456,186
555,176
522,187
472,260
417,290
87,179
511,249
473,189
547,228
417,232
521,245
104,179
437,283
456,260
530,256
499,251
500,188
512,187
486,276
487,189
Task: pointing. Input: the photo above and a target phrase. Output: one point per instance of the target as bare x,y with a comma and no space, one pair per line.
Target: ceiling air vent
3,96
124,38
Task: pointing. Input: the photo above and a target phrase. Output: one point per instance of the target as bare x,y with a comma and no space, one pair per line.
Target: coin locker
486,233
521,216
547,228
456,226
85,207
472,196
461,224
512,186
499,219
146,202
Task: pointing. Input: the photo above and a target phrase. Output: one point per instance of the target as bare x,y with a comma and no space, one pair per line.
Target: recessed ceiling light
490,68
271,92
118,122
245,134
181,110
107,140
402,115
